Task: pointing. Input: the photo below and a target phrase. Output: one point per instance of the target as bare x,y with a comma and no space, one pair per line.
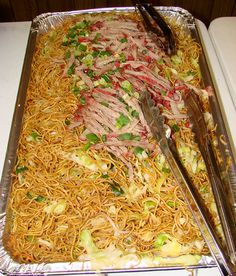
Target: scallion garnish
82,100
135,114
21,169
116,189
122,121
82,47
128,136
123,40
71,70
67,54
175,128
122,57
138,150
106,78
92,138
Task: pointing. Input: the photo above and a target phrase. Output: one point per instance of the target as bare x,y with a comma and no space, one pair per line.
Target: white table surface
13,37
13,42
222,33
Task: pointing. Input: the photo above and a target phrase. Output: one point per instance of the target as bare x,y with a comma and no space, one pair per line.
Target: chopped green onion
127,86
67,54
123,40
82,47
40,198
83,33
160,240
65,41
112,72
190,73
163,92
136,138
116,189
74,42
92,138
123,101
77,53
136,95
170,203
76,90
87,145
21,169
30,238
104,137
122,57
88,60
82,100
122,121
104,104
144,51
71,70
106,78
203,189
105,176
102,82
71,33
138,150
176,60
129,136
83,24
149,204
175,128
96,38
34,136
105,53
30,195
95,54
91,73
125,136
135,114
165,170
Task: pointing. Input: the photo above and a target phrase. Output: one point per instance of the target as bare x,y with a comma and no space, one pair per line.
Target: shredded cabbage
108,257
84,159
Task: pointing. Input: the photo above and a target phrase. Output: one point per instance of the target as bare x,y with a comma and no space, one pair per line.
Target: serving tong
161,29
224,207
224,260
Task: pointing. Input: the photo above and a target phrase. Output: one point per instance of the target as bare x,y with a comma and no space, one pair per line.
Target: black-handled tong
162,29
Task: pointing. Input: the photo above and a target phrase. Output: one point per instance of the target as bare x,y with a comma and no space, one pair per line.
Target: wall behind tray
24,10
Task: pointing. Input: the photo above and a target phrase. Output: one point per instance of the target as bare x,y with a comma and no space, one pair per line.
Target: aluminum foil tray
42,24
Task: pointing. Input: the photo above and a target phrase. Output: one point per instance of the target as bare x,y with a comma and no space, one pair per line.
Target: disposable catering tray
42,24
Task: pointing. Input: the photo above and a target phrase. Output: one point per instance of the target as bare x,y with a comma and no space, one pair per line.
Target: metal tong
162,29
199,211
225,210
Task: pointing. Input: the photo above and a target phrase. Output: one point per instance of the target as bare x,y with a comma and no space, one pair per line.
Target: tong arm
163,26
224,208
195,203
147,8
